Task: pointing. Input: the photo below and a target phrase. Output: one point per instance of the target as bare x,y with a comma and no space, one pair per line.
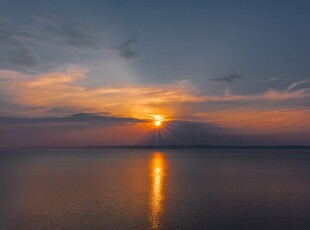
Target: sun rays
160,130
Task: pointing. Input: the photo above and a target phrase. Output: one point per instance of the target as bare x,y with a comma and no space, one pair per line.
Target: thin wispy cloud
14,53
300,85
67,33
19,53
231,78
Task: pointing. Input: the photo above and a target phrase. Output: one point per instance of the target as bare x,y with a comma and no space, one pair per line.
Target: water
146,189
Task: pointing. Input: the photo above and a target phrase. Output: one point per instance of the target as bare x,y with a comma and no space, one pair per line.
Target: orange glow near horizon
157,186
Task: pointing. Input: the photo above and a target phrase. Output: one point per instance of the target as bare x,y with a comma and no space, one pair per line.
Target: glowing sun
158,120
157,123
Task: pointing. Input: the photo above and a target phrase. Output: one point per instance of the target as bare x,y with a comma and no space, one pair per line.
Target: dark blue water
145,189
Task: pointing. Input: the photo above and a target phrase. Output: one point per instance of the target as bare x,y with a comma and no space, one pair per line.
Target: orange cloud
256,120
66,89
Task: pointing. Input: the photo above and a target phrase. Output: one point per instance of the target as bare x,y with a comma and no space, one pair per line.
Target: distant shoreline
284,147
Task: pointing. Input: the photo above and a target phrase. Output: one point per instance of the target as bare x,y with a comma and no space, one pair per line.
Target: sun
158,120
157,123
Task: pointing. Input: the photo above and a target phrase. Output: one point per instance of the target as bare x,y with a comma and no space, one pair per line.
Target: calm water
145,189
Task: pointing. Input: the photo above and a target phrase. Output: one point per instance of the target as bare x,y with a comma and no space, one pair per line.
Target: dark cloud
80,118
231,78
126,49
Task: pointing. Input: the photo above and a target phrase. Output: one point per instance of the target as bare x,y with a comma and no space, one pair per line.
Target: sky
90,72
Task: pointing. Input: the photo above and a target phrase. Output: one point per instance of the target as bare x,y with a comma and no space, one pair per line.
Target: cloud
272,79
231,78
68,33
66,90
14,53
126,49
16,43
301,85
258,119
20,47
203,119
79,118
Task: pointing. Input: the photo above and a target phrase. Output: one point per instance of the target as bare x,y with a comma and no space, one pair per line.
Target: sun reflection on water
157,186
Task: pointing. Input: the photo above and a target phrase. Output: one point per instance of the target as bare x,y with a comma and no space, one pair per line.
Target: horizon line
165,147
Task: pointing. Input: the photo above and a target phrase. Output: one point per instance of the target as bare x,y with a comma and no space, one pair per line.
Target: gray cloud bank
81,118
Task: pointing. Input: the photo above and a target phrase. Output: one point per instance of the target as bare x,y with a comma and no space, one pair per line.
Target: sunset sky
87,72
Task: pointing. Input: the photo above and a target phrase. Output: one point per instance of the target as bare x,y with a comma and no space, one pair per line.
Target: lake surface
147,189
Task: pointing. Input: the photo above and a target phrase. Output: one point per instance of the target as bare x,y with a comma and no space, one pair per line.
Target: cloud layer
68,33
272,111
79,118
21,47
14,53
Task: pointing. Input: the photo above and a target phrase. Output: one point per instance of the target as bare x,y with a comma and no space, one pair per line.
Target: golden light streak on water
158,166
